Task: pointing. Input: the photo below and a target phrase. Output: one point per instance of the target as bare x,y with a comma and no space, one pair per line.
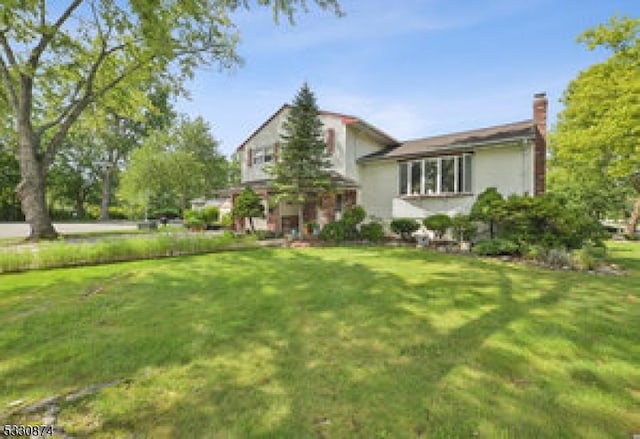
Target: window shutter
275,152
331,141
249,157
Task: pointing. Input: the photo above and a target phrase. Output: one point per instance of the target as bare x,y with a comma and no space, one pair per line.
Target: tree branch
7,49
86,83
6,78
48,35
89,96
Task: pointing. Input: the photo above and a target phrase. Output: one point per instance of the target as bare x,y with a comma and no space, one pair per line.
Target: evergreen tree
302,171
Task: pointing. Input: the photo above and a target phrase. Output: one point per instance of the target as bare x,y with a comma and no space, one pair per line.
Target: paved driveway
21,230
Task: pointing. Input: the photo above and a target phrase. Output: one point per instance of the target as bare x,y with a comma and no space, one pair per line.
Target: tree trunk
31,189
106,193
253,230
80,205
301,220
632,223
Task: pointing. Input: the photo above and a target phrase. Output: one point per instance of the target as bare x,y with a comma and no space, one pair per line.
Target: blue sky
414,69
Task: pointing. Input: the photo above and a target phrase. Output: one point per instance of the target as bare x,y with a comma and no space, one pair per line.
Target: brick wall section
540,105
327,209
273,216
350,199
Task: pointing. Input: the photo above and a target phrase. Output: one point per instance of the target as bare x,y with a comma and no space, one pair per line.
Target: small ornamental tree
487,207
248,205
438,224
463,227
302,172
404,227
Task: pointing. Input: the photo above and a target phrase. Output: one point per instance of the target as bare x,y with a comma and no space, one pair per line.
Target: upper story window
262,154
436,175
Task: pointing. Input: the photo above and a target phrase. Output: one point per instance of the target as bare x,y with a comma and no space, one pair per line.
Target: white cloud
367,20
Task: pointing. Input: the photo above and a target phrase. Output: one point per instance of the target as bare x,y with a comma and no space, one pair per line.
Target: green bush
463,227
589,256
353,216
496,247
335,231
438,223
486,208
226,220
546,220
345,228
117,213
372,232
266,234
535,252
404,227
210,214
193,218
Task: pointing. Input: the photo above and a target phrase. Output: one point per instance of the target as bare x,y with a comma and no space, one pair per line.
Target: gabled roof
345,118
455,142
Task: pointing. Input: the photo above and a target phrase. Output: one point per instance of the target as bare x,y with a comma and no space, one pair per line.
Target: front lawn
340,342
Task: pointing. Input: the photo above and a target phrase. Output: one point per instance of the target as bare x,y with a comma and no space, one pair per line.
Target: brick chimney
540,104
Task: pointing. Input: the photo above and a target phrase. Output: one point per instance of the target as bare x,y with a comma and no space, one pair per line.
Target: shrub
486,208
354,216
373,232
226,220
335,232
438,223
463,227
345,228
210,214
117,213
404,227
548,221
535,252
589,256
266,234
193,218
558,257
496,247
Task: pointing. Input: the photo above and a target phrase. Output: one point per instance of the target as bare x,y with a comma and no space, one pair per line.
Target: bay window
436,175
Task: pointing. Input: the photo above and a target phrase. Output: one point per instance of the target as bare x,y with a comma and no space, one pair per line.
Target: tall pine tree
302,172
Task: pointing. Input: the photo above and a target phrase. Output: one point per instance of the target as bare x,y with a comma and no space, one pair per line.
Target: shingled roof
455,142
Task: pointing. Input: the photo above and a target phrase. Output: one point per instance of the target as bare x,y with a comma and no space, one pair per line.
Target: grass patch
327,342
66,254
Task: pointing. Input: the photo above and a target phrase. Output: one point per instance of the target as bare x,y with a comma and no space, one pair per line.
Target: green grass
343,342
57,254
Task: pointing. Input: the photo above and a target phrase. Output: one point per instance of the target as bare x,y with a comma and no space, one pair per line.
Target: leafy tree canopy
59,58
597,138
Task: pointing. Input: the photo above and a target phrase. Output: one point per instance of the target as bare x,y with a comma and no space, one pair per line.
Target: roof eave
464,147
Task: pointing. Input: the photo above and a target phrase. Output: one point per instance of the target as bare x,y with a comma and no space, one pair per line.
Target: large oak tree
596,146
57,58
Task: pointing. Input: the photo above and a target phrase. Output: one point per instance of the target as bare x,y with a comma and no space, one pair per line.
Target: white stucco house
393,179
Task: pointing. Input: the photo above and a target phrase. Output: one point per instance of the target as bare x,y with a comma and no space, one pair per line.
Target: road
21,230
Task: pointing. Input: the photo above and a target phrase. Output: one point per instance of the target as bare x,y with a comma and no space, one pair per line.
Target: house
409,179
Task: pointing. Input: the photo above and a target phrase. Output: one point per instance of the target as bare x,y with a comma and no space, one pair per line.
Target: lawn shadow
326,343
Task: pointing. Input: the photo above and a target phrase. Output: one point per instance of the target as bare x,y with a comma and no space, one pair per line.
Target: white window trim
458,160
